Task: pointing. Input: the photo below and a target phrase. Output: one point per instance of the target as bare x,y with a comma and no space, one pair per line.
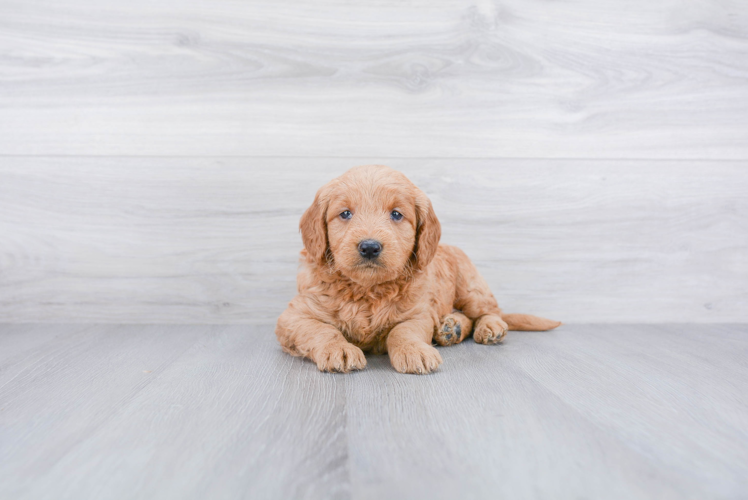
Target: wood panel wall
155,156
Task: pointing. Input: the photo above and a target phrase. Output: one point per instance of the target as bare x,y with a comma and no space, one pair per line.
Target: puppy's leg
410,349
301,335
453,328
475,300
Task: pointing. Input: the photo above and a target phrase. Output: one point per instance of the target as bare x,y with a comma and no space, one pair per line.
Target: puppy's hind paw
449,332
490,329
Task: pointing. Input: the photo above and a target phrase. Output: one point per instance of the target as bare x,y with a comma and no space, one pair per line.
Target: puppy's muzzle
369,249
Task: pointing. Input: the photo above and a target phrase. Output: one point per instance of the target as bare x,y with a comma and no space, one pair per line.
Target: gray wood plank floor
199,411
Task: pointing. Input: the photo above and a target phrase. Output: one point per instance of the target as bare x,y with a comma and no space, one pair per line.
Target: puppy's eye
395,215
346,214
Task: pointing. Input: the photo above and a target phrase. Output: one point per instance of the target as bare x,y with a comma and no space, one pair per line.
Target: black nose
369,249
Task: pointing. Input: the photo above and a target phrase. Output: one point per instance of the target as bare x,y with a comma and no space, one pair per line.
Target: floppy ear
313,227
428,232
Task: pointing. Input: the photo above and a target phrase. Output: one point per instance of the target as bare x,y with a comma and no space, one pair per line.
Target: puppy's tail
528,323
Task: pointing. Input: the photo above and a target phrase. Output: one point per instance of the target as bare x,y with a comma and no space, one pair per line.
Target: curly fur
416,291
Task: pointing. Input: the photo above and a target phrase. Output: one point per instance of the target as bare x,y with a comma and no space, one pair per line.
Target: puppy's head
372,224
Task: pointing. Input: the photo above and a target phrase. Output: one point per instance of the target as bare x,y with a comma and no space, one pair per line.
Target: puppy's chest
366,324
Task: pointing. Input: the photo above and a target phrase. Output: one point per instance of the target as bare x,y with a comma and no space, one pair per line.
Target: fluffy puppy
374,278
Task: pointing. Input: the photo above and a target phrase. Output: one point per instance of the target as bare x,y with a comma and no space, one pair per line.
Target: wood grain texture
234,417
58,384
215,240
584,412
446,78
594,411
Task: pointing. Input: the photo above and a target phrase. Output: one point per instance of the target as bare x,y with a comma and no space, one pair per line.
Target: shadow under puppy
374,278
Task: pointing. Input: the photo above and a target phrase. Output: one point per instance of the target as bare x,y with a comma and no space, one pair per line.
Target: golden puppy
374,278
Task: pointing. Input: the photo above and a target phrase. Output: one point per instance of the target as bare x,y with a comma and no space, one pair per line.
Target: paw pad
449,332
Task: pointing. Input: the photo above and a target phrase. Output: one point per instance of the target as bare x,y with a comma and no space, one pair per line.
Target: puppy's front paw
416,357
490,329
339,357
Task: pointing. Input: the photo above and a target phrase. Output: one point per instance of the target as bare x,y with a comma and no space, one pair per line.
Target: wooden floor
586,411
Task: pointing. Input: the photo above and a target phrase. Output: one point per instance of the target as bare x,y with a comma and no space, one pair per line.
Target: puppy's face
372,224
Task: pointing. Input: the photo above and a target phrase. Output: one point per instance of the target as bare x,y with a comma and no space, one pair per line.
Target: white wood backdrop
155,155
216,239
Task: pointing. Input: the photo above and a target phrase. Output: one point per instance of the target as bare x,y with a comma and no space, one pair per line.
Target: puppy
374,278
